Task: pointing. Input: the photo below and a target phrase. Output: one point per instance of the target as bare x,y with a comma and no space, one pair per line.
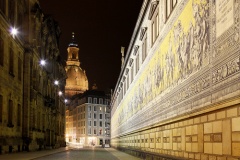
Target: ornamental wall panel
188,85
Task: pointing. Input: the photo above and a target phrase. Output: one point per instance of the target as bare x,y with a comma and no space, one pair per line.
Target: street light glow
56,82
65,100
43,62
14,31
60,93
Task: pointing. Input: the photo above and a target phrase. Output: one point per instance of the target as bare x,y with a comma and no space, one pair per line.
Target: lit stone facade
77,81
88,119
32,115
178,93
11,82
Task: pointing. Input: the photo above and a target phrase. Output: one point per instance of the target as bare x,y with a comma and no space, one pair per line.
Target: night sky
101,27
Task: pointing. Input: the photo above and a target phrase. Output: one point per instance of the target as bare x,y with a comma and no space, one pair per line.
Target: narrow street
92,153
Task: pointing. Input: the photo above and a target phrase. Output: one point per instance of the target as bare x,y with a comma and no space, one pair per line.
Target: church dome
77,79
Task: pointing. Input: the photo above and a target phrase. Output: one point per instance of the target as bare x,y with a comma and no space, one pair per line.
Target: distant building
88,119
32,114
178,92
77,81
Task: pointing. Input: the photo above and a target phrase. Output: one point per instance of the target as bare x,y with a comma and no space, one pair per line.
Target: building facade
88,119
177,94
32,114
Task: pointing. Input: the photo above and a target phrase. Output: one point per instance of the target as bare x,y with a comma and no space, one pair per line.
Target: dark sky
101,27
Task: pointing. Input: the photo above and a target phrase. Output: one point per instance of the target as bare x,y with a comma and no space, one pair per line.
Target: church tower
77,81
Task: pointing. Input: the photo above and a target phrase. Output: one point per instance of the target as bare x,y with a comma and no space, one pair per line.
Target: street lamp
60,93
56,82
14,31
43,62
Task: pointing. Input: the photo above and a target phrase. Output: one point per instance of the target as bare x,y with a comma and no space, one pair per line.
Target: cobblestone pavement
90,154
67,153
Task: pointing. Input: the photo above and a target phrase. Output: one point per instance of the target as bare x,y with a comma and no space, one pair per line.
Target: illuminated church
77,81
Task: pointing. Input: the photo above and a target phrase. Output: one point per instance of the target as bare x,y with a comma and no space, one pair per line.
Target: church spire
73,43
73,49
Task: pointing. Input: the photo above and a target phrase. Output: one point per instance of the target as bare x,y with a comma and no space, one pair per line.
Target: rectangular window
11,54
127,83
89,131
20,17
95,123
89,99
94,131
155,28
100,123
144,49
19,113
95,116
89,115
137,63
1,49
100,101
168,8
19,69
11,11
100,116
89,108
3,6
124,87
157,25
43,122
95,100
132,73
38,120
94,108
1,108
10,112
100,131
153,32
170,5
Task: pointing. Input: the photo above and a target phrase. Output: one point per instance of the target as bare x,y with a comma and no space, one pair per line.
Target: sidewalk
32,155
121,155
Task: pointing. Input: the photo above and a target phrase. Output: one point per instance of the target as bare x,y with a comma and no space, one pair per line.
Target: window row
140,52
13,112
13,10
96,131
100,116
98,101
97,108
100,124
15,64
